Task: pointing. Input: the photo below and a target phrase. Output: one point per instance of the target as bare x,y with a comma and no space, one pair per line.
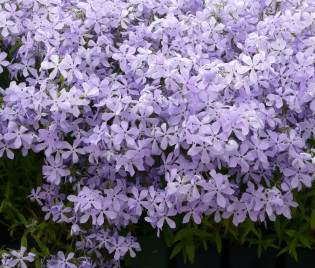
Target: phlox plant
193,118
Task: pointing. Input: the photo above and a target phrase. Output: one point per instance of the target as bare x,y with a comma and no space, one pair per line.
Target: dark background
155,254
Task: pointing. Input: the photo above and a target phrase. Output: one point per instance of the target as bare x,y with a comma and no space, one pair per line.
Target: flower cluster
151,109
15,258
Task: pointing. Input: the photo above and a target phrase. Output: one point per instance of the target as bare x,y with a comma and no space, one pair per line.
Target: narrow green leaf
43,226
218,240
291,233
244,235
187,232
34,214
269,243
181,234
168,235
177,249
313,219
16,45
303,239
37,263
255,231
8,189
41,245
200,233
37,253
61,245
3,205
3,251
39,179
294,254
24,239
304,227
259,250
309,194
190,248
22,218
205,245
61,80
293,245
208,224
285,249
185,256
278,228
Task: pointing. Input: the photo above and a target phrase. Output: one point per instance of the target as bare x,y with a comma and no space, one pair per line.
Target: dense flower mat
150,109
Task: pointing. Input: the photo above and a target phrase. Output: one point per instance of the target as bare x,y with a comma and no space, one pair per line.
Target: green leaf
254,230
24,239
41,245
180,235
127,260
309,194
16,45
42,226
285,249
277,6
259,250
187,232
190,248
233,231
61,245
168,235
62,80
34,215
218,240
23,220
294,254
21,217
177,249
303,239
291,233
269,243
244,235
33,250
293,246
3,251
278,228
8,189
201,233
208,224
37,263
39,179
3,204
205,245
185,256
313,219
304,227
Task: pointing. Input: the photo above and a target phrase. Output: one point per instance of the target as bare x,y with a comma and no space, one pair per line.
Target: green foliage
285,235
22,219
25,222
